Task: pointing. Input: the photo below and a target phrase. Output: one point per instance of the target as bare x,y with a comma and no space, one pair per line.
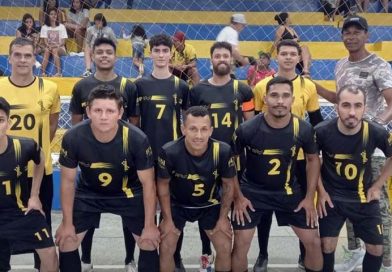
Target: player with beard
348,189
104,57
229,102
272,141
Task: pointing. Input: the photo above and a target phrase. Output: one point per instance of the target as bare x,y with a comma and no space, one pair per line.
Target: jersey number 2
275,167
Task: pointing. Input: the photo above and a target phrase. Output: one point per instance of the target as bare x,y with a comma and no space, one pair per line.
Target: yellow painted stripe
361,191
198,17
271,152
101,165
343,156
215,153
128,191
218,106
17,149
18,193
287,187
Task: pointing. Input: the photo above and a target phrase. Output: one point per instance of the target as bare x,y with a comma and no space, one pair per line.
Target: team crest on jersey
41,104
231,162
18,171
63,153
161,162
149,151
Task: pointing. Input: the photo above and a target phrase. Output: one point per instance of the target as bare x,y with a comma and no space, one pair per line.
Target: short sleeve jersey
228,34
31,107
346,169
271,154
195,182
373,74
107,170
83,88
160,104
224,103
185,57
14,189
305,93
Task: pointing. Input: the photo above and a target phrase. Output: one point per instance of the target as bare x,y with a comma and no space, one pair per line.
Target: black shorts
207,217
282,205
26,232
87,212
365,217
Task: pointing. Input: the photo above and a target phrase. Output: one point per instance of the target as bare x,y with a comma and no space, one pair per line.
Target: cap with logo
357,21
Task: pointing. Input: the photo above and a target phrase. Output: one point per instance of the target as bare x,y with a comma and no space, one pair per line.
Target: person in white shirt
54,35
77,22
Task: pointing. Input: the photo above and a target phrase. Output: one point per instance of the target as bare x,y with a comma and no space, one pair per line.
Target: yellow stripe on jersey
235,86
218,106
3,174
176,87
287,187
211,199
128,192
215,153
272,152
125,137
365,134
17,148
18,192
361,192
295,127
123,84
101,165
158,98
343,157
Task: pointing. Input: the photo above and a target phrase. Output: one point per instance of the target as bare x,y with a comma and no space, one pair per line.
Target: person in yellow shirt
35,107
183,61
306,101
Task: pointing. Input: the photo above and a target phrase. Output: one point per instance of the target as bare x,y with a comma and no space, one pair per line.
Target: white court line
190,266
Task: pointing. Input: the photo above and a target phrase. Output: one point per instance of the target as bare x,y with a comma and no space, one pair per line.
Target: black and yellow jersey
271,154
107,169
195,182
224,104
31,107
83,88
160,104
14,187
346,169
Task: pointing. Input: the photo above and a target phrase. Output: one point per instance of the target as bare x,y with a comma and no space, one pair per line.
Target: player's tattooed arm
150,237
223,223
34,202
374,191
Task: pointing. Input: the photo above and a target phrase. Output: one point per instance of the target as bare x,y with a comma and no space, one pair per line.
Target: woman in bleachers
98,30
29,30
49,4
54,36
286,32
77,22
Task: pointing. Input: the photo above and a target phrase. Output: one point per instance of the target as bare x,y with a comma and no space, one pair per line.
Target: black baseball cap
357,21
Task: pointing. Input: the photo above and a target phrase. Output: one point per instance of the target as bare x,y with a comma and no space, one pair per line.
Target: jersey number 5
198,190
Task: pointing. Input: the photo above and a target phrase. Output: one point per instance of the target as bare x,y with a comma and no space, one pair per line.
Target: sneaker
386,268
351,259
179,267
301,263
261,264
131,267
87,267
87,73
206,262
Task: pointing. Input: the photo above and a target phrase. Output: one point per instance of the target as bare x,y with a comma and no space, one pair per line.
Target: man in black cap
372,73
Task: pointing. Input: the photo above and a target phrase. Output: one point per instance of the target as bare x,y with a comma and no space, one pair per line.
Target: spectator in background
385,5
328,7
260,70
100,29
77,21
286,32
139,41
183,61
230,34
54,35
29,30
48,4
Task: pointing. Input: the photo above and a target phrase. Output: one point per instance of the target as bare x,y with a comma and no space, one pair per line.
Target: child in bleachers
29,30
100,29
139,42
77,21
54,35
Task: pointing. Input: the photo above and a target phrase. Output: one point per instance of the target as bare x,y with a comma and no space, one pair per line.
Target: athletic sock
86,246
177,253
129,245
329,261
70,261
371,263
263,231
205,242
148,261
